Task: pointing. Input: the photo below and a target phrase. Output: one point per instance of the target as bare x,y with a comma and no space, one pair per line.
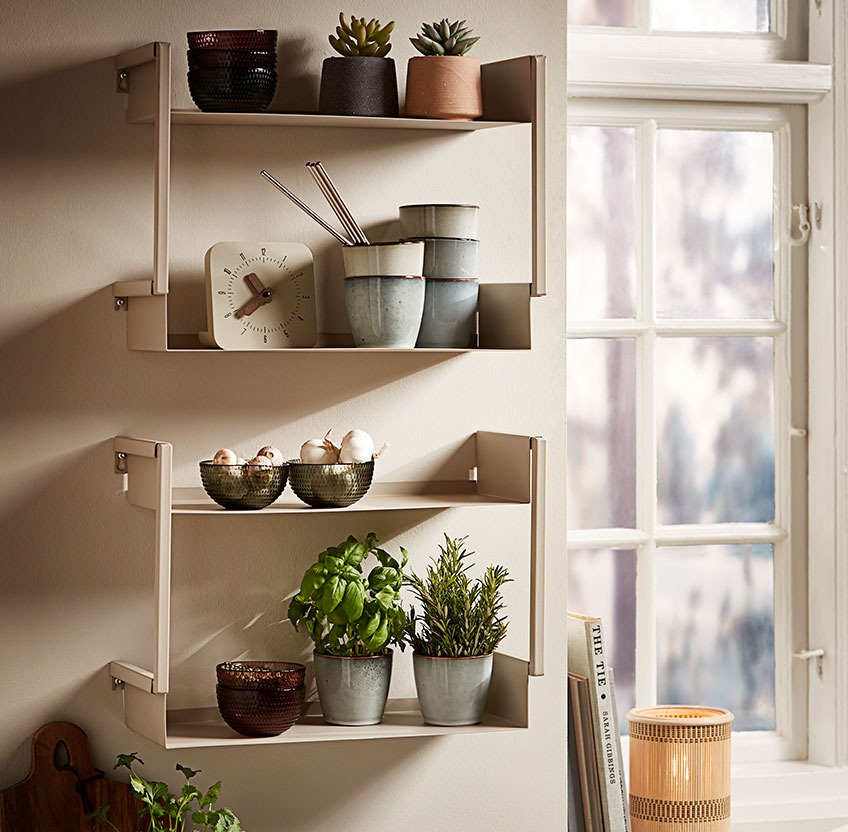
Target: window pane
601,433
603,583
600,12
715,434
715,630
601,222
714,235
715,16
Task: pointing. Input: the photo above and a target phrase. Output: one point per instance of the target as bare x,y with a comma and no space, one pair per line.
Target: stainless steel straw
333,202
306,209
359,234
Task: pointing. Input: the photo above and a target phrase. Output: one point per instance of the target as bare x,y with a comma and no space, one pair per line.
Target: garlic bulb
272,453
319,451
357,446
226,457
260,472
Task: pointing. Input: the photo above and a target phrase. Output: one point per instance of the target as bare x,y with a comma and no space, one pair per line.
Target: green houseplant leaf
459,616
349,613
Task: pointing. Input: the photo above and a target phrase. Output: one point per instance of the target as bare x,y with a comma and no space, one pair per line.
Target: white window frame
757,69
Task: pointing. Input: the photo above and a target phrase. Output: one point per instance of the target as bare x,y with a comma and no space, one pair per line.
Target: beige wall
76,587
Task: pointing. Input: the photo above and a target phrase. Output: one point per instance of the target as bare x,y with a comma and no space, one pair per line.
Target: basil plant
345,612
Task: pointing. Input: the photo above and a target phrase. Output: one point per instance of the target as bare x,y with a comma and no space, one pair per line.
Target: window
688,352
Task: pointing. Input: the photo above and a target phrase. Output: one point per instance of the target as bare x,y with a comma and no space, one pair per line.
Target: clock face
259,296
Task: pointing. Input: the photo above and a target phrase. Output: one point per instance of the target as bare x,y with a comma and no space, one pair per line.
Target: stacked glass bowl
259,698
232,70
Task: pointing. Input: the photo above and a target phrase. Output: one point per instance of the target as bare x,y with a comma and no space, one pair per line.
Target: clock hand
261,297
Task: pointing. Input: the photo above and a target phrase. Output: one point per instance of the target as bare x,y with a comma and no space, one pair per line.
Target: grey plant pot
353,690
358,86
452,691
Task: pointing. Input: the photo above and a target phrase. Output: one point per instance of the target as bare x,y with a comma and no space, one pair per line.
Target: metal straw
359,234
333,202
306,209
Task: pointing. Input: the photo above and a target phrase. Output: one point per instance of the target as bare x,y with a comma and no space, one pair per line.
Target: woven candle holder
680,769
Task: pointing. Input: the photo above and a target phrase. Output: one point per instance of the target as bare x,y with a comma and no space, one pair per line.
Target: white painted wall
76,590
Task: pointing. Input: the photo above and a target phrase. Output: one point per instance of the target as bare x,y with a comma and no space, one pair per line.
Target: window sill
788,792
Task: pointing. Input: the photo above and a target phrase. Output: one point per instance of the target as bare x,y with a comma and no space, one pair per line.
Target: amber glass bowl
258,40
260,713
260,675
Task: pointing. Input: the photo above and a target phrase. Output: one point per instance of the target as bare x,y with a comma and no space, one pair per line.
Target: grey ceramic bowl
450,306
439,220
384,311
450,257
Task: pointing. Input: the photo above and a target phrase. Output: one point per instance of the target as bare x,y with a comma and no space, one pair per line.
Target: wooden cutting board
51,799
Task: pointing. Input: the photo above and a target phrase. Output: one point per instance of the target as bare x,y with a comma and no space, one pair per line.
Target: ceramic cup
450,306
439,220
450,257
384,310
399,258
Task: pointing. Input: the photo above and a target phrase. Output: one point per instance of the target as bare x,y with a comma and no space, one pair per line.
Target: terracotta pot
444,86
358,86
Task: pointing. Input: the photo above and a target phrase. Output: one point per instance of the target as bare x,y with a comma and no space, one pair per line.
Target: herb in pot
191,810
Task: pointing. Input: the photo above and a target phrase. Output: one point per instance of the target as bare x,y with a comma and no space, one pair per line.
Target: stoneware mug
385,310
397,258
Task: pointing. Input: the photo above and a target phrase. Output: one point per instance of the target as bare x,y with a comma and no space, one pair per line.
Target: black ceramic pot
358,87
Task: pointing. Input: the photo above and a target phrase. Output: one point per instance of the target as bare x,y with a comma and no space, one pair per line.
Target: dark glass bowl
260,675
260,713
243,486
264,40
227,89
202,58
330,486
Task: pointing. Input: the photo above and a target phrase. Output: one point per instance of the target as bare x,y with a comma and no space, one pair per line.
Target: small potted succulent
454,637
443,82
363,81
353,620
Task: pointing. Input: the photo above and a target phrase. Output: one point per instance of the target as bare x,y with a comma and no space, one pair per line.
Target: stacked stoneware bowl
451,251
260,698
232,70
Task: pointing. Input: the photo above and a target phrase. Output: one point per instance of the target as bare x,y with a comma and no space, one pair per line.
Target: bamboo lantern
680,769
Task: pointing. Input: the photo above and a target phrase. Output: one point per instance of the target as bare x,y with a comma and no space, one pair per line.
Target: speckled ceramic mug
384,310
450,307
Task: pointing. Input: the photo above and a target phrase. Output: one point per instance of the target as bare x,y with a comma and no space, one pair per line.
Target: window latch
807,655
804,227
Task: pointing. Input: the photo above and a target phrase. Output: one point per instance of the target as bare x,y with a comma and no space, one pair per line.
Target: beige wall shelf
509,470
513,97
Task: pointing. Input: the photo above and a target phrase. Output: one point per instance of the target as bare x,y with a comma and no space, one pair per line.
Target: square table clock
259,296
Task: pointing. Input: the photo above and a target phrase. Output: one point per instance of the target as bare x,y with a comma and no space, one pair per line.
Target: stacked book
597,794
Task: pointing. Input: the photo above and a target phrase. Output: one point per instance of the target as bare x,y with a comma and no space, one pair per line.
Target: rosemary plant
460,616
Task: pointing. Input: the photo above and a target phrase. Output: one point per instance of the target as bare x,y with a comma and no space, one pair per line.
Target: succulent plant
362,39
444,38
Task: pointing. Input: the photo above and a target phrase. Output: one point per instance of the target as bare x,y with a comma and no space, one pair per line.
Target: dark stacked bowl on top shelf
260,698
233,70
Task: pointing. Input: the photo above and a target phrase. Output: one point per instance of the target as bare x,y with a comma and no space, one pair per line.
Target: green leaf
377,641
354,601
369,625
334,590
211,796
126,760
296,610
386,598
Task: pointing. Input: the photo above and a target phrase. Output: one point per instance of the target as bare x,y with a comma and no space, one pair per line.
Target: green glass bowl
243,487
330,486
